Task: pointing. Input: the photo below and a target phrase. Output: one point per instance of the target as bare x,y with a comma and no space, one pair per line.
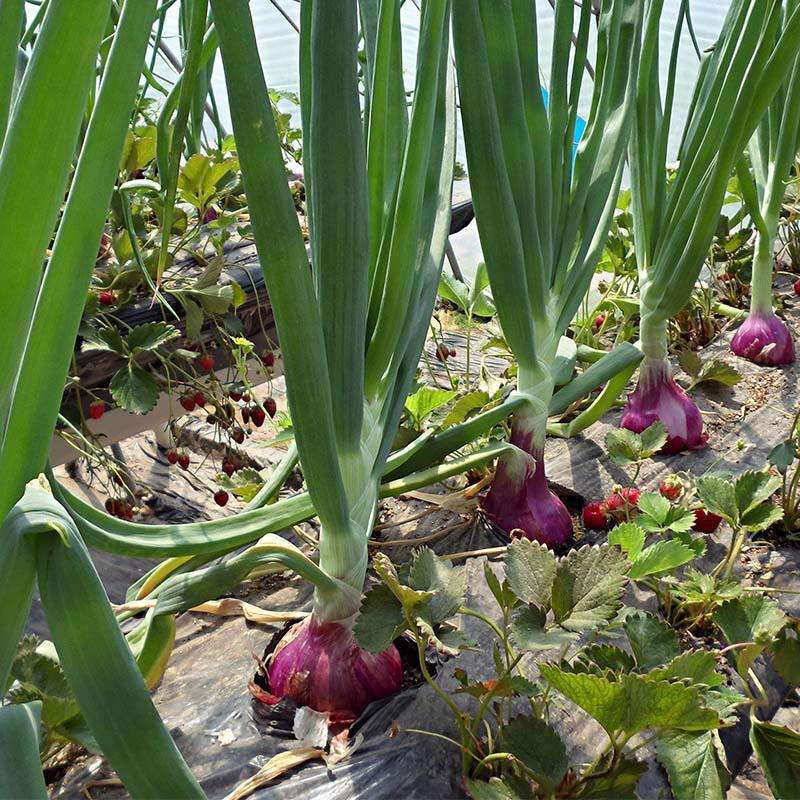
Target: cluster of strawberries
622,505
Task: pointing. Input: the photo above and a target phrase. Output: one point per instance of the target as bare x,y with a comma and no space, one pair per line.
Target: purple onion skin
758,332
524,505
658,397
320,665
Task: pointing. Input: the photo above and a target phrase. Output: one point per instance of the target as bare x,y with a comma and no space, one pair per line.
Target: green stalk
169,180
761,281
114,700
45,125
20,768
57,314
12,15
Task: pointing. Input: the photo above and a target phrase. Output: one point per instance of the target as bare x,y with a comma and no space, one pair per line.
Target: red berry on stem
269,359
210,215
187,401
670,489
107,298
797,287
238,436
183,461
228,468
614,502
234,395
257,416
110,505
221,497
271,406
97,409
199,399
705,521
206,363
595,517
245,415
630,496
598,321
172,457
443,352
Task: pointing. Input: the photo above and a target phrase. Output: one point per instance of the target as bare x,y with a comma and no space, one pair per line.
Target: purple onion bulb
320,665
764,339
658,397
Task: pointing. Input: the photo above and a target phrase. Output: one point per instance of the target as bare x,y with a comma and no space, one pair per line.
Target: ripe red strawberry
172,456
269,359
797,287
107,298
671,489
614,502
228,467
97,409
246,397
238,436
705,521
187,401
206,363
221,497
598,321
443,352
245,415
210,215
199,399
271,406
183,461
111,506
630,495
104,247
235,396
257,416
595,517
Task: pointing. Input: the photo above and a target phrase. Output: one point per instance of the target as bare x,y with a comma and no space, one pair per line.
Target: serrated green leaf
603,656
660,557
151,335
652,641
751,618
634,703
588,586
425,401
409,598
718,496
716,371
782,455
753,488
380,620
449,584
778,752
539,748
630,537
215,299
107,338
528,631
623,446
653,438
693,764
699,666
244,483
530,571
786,658
655,506
134,389
465,404
761,517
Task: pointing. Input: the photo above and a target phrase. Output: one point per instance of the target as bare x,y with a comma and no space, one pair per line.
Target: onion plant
351,328
676,212
38,540
763,337
542,216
